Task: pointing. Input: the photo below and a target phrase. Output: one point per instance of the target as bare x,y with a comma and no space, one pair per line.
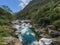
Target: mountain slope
6,16
33,5
42,12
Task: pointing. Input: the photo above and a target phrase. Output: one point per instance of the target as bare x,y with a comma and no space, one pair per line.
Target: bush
57,9
4,31
56,23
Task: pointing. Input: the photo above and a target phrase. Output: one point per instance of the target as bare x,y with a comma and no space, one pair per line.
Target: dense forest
45,12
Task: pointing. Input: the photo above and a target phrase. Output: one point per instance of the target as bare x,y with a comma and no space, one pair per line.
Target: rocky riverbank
49,32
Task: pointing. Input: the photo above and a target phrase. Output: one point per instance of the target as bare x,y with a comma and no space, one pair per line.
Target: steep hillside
42,12
32,6
6,15
5,18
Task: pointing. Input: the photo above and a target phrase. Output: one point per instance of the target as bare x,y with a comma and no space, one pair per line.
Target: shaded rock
55,43
54,33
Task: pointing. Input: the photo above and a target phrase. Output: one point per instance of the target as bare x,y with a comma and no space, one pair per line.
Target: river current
28,37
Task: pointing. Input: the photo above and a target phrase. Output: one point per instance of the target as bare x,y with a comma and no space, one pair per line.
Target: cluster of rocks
47,32
50,32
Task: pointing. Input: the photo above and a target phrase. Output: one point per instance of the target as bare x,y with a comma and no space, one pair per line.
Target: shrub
57,9
4,31
56,23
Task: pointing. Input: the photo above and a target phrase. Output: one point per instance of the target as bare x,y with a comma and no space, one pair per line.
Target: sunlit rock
45,41
35,43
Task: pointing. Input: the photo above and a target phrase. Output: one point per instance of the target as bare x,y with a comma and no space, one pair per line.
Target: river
28,37
26,34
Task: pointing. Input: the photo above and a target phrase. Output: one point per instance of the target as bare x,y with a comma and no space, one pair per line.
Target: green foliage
4,31
43,13
57,9
5,19
1,39
56,23
6,16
